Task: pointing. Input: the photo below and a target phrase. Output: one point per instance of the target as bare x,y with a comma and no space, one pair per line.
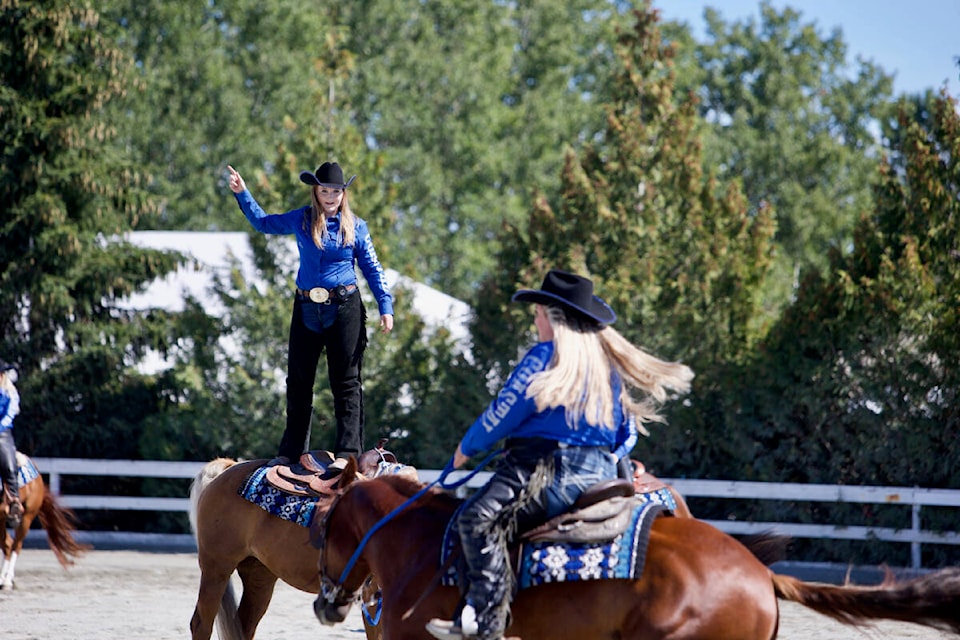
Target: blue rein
373,619
387,518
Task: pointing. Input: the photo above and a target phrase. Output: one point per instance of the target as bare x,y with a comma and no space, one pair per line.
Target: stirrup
444,629
465,627
14,513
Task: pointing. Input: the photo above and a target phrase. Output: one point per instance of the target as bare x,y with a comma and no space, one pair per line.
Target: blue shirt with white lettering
334,264
513,415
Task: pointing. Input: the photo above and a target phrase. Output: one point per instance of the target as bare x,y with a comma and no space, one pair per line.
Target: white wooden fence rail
913,498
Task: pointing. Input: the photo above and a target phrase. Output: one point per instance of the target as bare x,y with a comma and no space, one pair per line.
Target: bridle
333,591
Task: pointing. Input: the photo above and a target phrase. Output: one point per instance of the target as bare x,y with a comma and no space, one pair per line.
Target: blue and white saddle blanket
27,471
297,509
622,557
547,561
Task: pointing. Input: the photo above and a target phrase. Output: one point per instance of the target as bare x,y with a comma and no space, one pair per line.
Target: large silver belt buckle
319,295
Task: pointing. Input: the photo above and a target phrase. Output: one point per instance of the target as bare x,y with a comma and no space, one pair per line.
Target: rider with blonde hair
568,416
9,408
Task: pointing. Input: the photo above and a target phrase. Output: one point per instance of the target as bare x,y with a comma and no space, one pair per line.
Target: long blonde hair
318,222
578,376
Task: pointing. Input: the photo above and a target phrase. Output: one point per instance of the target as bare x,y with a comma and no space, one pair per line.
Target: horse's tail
767,547
60,522
932,600
228,627
204,477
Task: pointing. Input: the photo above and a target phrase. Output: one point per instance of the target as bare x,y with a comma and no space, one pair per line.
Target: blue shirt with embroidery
334,265
513,415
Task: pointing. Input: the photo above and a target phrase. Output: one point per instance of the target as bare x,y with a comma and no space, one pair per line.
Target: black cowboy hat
329,175
571,293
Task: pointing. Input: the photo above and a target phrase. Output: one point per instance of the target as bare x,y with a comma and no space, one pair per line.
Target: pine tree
868,355
675,253
785,116
68,195
860,377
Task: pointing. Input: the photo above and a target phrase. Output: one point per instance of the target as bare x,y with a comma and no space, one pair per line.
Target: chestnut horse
59,522
697,583
233,534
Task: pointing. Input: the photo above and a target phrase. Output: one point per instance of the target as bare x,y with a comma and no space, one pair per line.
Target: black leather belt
545,444
325,296
538,444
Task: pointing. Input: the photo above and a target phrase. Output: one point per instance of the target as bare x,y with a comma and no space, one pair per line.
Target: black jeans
8,461
506,504
536,480
344,341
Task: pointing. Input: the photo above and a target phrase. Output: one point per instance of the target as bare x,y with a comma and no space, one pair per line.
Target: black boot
14,508
296,437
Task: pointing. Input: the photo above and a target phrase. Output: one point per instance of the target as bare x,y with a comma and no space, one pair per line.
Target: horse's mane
402,484
407,487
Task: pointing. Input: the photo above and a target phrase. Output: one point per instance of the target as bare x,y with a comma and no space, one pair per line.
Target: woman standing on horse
567,417
327,311
9,408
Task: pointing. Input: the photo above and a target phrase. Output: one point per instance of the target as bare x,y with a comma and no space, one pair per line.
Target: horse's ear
349,473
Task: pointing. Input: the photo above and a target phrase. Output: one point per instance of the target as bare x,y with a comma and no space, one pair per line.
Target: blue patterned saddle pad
543,562
297,509
27,471
623,557
661,496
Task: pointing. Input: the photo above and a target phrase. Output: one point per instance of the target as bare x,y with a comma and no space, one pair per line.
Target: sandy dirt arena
129,595
114,595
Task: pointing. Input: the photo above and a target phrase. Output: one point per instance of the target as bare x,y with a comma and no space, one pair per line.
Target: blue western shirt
9,408
334,264
512,414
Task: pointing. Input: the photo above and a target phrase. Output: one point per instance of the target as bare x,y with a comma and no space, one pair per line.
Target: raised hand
237,185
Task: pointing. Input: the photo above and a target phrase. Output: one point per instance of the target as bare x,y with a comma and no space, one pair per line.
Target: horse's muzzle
329,613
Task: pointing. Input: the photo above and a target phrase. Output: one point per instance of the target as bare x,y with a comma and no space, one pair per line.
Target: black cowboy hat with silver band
570,292
328,175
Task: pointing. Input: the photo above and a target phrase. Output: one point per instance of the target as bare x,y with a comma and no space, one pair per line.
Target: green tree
865,362
217,84
677,254
861,374
422,390
470,104
68,196
464,106
228,386
796,122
